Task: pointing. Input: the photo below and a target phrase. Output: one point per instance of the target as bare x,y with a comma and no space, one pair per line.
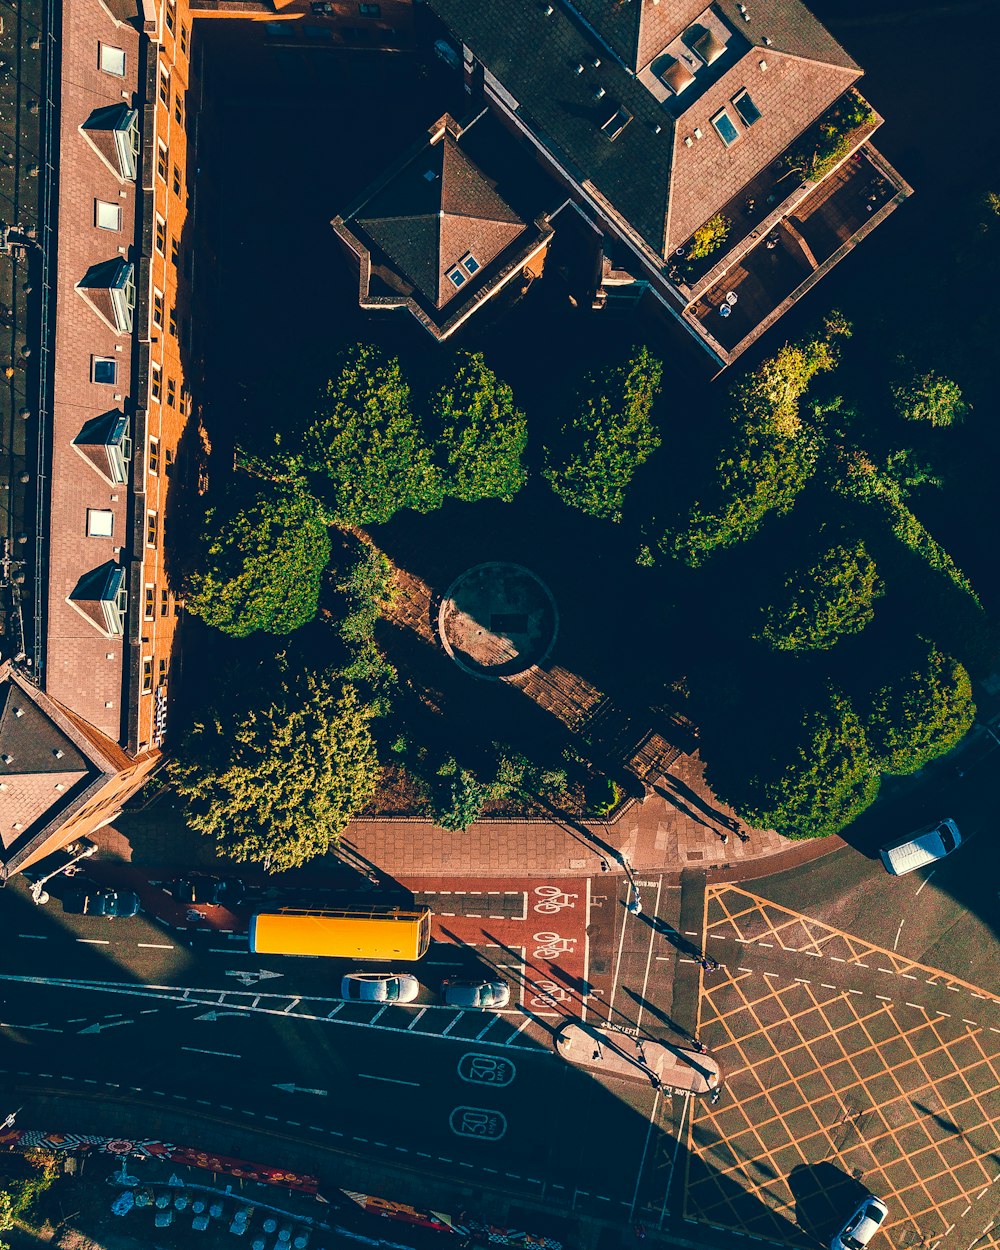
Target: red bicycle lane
535,933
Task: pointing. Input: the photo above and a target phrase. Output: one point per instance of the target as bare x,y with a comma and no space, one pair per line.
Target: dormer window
104,442
109,288
725,127
102,598
114,132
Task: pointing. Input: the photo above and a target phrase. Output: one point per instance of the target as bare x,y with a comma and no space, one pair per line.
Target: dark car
201,887
84,898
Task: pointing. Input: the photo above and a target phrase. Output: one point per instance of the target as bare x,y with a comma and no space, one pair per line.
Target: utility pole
38,892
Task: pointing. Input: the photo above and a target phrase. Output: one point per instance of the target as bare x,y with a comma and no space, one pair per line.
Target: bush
922,714
930,397
709,237
834,596
483,435
262,563
826,144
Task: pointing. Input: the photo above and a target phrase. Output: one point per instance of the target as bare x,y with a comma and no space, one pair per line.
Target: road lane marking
649,953
392,1080
421,1012
925,880
94,941
895,945
156,946
222,1054
35,937
883,998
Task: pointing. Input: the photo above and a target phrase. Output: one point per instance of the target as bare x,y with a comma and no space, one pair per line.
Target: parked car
862,1226
202,887
379,987
84,898
491,994
926,846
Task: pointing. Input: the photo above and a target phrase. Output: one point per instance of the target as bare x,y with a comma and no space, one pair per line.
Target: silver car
488,995
862,1226
379,987
917,850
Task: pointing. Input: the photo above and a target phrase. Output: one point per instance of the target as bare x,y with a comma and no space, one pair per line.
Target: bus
377,935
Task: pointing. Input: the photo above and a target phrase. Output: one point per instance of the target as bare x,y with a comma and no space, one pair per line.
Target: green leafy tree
366,440
459,801
834,596
280,785
930,397
262,563
824,781
709,237
921,715
483,434
772,454
599,448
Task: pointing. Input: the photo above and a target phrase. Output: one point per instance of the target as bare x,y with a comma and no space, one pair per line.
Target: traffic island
632,1058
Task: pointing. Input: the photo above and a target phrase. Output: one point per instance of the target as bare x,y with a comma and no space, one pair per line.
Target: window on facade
170,15
172,321
725,128
107,216
151,529
162,159
164,85
161,235
171,393
177,181
370,10
104,369
184,39
112,60
123,297
168,459
156,382
149,602
456,276
164,602
748,111
153,459
178,109
175,250
147,675
127,143
470,263
158,308
119,448
100,523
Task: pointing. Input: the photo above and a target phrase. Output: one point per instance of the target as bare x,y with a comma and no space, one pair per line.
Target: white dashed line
837,959
909,976
974,1023
824,986
804,980
883,998
915,1006
768,944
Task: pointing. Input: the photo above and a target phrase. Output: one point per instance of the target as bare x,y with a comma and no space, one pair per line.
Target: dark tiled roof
426,224
534,56
31,739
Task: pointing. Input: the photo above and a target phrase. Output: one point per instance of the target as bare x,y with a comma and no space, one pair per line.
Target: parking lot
844,1074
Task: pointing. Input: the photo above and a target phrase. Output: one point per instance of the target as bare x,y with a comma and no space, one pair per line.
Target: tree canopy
922,714
368,443
262,563
483,434
930,397
825,780
279,786
834,596
591,462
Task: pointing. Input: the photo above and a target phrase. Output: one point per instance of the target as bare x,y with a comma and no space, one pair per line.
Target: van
919,849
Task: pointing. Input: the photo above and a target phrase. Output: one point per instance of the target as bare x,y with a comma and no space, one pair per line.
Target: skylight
748,111
725,128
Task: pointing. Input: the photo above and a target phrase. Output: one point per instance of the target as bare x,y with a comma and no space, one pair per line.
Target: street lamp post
38,892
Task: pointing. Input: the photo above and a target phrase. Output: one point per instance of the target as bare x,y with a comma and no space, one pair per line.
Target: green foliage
825,781
18,1194
921,715
366,440
483,435
930,397
834,596
459,803
772,455
610,435
827,143
262,563
278,786
709,237
369,589
605,797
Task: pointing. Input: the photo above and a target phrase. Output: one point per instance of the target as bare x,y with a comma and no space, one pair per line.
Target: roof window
470,264
114,132
112,60
748,111
457,277
104,442
102,597
617,122
110,289
725,128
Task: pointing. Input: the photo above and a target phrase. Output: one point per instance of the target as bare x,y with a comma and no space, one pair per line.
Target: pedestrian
605,866
713,965
724,838
715,1095
640,1231
698,1046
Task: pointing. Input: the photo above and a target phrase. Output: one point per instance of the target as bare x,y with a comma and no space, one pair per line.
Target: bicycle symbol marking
486,1069
478,1122
550,995
551,945
552,899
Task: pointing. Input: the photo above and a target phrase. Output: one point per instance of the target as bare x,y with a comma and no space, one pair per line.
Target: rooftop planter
825,144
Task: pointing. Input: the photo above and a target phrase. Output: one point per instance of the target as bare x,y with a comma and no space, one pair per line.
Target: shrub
709,237
922,714
826,144
930,397
834,596
483,434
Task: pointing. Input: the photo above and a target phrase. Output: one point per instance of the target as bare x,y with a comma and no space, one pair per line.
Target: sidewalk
678,826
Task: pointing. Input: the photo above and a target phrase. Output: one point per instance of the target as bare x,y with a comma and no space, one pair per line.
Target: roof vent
767,40
600,93
579,67
8,759
19,711
596,62
763,66
697,132
60,786
17,825
688,141
548,9
657,128
58,753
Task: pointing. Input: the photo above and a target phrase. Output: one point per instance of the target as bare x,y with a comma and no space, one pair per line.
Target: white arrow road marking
217,1015
99,1028
299,1089
38,1028
251,978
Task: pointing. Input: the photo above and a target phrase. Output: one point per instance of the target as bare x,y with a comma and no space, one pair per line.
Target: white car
917,850
862,1226
379,987
487,995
